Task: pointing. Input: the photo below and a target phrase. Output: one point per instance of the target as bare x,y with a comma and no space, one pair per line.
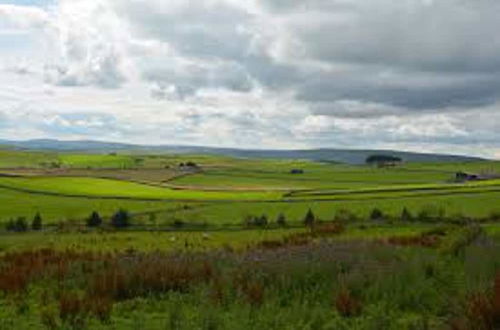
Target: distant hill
333,155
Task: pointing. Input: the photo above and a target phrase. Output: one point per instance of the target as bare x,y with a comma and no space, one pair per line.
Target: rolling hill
350,156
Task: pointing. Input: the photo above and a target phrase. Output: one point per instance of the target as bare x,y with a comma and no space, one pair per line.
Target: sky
416,75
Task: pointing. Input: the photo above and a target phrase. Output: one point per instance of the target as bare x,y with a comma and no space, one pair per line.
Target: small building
297,171
463,176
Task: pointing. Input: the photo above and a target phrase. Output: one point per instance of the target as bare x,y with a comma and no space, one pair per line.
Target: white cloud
23,17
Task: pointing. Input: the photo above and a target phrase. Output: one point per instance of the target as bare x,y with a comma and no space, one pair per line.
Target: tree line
120,219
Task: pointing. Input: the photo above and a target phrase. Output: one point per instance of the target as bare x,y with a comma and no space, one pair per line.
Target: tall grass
305,281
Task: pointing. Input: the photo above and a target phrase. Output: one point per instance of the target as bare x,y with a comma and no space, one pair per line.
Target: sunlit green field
106,188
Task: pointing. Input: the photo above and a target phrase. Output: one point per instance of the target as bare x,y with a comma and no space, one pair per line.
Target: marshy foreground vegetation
141,242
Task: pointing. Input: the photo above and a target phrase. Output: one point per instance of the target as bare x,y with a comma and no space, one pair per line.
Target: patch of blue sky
39,3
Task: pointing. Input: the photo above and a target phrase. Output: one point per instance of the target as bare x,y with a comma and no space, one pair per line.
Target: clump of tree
18,225
309,219
383,160
261,221
256,221
121,219
36,224
94,220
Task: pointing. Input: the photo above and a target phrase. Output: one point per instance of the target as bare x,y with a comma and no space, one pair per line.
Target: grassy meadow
126,241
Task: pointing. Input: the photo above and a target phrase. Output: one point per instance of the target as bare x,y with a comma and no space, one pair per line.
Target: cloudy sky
420,75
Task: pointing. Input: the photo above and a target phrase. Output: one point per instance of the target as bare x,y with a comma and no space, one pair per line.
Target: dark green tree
36,224
309,219
406,215
94,220
376,214
261,221
281,220
121,219
21,224
10,225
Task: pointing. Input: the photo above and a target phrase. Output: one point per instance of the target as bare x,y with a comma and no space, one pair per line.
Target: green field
55,208
232,188
245,244
106,188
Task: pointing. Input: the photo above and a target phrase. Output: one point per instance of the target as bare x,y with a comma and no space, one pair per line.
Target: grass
97,161
55,209
139,241
326,284
107,188
448,187
316,175
477,205
16,159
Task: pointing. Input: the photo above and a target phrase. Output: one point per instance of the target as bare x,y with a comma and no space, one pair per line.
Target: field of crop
232,243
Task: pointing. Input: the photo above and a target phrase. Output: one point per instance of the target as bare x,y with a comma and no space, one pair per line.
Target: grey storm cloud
211,29
381,48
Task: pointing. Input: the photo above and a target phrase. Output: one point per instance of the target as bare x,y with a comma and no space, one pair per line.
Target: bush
376,214
253,221
121,219
261,221
406,215
346,304
10,225
281,220
37,222
21,224
431,213
344,215
494,216
94,220
460,239
178,223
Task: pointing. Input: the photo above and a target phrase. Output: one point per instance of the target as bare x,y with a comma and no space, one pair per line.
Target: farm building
462,176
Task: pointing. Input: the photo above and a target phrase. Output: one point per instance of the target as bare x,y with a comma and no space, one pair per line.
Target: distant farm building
189,167
297,171
462,176
383,160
